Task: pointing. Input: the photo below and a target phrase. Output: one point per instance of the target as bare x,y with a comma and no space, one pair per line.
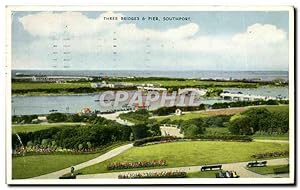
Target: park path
101,158
115,117
271,141
239,167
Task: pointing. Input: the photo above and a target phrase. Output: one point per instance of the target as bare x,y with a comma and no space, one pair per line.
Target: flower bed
176,174
129,165
270,154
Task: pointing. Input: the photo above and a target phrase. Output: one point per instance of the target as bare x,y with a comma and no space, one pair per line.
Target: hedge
270,154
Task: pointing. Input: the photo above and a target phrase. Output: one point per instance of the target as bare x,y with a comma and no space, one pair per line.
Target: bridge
247,97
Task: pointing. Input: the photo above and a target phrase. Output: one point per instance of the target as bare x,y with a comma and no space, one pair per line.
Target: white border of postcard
180,181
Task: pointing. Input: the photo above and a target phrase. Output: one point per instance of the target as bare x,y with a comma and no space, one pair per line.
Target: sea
189,74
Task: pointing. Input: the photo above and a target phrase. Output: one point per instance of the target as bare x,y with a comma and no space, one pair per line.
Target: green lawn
277,108
201,114
37,127
216,131
36,165
204,174
191,153
232,111
271,137
277,169
47,85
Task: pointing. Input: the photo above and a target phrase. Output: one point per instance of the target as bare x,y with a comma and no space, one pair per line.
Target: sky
246,41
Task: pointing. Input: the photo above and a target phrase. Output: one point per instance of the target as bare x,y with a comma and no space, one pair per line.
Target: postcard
150,95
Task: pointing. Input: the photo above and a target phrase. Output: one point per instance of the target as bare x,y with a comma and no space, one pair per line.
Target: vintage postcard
150,95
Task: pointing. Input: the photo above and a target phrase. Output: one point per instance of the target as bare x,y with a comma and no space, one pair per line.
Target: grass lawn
191,153
37,127
47,85
271,137
204,174
231,111
36,165
278,169
201,114
216,131
277,108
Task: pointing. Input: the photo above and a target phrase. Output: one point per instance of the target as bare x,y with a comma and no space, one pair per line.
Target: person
228,174
72,171
234,174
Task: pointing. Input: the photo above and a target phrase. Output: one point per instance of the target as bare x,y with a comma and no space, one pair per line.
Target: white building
178,112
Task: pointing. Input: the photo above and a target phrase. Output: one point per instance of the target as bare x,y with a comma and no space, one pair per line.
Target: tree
80,147
45,142
131,138
140,131
241,126
29,144
89,145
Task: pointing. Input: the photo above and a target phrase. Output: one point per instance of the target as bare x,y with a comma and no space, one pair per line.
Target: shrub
270,154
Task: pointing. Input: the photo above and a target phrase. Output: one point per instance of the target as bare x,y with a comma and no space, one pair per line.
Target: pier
247,97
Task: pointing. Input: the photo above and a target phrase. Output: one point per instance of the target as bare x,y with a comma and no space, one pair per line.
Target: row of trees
169,110
247,103
99,133
67,90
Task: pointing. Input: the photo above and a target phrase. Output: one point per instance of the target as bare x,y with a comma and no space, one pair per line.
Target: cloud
45,24
94,40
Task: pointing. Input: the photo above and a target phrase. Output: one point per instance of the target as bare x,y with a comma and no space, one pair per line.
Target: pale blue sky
215,41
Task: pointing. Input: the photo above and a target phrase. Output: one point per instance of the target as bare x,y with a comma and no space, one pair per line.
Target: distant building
178,112
189,91
58,79
104,84
42,118
86,111
151,88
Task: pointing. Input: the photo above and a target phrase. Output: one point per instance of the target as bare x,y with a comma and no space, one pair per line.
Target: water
262,75
27,105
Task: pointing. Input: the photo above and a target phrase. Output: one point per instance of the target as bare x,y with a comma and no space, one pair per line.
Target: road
106,156
239,167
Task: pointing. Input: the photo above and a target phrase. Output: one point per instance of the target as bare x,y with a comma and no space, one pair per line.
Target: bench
211,167
257,164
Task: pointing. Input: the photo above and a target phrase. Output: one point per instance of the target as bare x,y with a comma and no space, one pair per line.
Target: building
86,111
151,88
44,78
42,118
178,112
105,84
189,91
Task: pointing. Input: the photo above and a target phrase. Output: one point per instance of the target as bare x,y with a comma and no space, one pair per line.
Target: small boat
52,110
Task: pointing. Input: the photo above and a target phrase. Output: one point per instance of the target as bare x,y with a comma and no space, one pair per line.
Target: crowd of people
227,174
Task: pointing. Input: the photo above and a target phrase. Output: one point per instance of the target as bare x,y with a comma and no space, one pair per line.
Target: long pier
247,97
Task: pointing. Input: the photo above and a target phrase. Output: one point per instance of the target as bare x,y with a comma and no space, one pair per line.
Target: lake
27,105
